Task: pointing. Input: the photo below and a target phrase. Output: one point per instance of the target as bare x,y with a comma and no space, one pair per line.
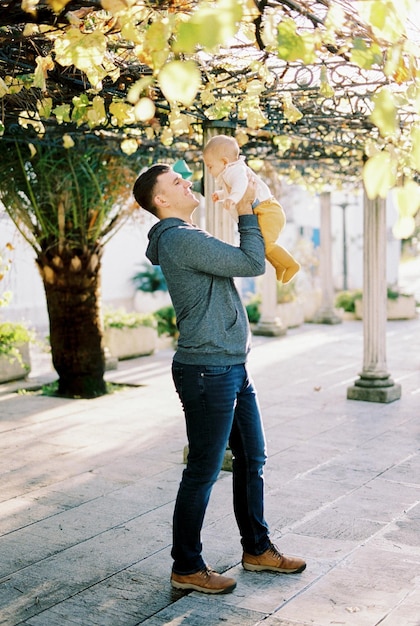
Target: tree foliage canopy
326,89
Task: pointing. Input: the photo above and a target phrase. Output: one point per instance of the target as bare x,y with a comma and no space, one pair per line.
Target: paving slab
87,489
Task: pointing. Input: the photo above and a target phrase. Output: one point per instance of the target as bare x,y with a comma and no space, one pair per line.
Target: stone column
326,313
269,323
374,384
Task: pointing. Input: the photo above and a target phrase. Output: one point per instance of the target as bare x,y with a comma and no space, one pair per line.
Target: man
210,375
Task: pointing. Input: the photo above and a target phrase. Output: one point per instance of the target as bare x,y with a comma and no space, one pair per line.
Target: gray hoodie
199,270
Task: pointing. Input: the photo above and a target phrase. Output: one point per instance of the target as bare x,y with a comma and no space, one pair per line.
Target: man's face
176,193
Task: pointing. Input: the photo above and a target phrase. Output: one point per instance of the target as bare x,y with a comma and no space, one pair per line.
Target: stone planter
291,314
311,301
13,369
346,315
126,343
402,308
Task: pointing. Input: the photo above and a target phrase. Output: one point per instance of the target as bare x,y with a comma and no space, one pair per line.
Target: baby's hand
229,205
215,196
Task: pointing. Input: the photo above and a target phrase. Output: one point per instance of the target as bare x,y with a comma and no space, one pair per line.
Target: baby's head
218,152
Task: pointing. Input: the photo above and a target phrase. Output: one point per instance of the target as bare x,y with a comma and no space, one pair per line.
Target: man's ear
160,201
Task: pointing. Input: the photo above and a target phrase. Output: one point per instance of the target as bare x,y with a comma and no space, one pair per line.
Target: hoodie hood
154,235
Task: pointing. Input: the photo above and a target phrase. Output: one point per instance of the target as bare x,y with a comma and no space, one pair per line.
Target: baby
221,156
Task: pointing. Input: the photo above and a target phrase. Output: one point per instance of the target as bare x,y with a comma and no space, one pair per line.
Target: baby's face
214,164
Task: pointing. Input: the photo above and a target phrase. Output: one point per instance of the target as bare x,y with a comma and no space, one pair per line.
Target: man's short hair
144,187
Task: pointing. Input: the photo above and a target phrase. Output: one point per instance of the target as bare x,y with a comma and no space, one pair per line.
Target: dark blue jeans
220,406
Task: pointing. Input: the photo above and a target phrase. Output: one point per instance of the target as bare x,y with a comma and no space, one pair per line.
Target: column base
372,389
326,316
270,328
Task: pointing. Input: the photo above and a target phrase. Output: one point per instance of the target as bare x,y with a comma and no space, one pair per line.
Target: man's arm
244,206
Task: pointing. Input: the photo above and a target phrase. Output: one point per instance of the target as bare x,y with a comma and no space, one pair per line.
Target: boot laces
275,552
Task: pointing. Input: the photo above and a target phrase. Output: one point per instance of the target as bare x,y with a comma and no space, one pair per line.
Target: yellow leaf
144,110
167,137
129,146
256,118
115,6
67,141
379,175
122,113
84,51
96,115
179,123
386,17
255,87
415,150
283,143
43,64
44,107
207,97
404,227
139,86
150,133
407,199
384,114
3,88
30,6
325,88
180,81
291,113
57,5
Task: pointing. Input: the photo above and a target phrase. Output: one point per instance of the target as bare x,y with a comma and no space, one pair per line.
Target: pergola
316,124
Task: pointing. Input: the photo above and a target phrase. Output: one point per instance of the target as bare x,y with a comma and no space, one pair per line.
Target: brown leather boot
273,561
206,581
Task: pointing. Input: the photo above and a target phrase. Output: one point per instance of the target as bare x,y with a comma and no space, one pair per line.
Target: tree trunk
72,287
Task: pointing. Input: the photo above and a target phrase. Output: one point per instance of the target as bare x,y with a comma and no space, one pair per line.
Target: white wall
122,256
306,210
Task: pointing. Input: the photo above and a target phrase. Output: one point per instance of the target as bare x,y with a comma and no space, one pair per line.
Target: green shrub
166,321
122,319
346,300
253,310
150,279
11,337
286,293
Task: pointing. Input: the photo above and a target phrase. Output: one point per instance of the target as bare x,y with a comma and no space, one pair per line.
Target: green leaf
62,113
180,81
292,45
379,175
364,56
210,26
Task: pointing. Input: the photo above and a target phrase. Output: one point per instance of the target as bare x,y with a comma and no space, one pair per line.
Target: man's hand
244,206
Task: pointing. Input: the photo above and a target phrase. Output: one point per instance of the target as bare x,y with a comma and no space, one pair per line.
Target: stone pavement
88,488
